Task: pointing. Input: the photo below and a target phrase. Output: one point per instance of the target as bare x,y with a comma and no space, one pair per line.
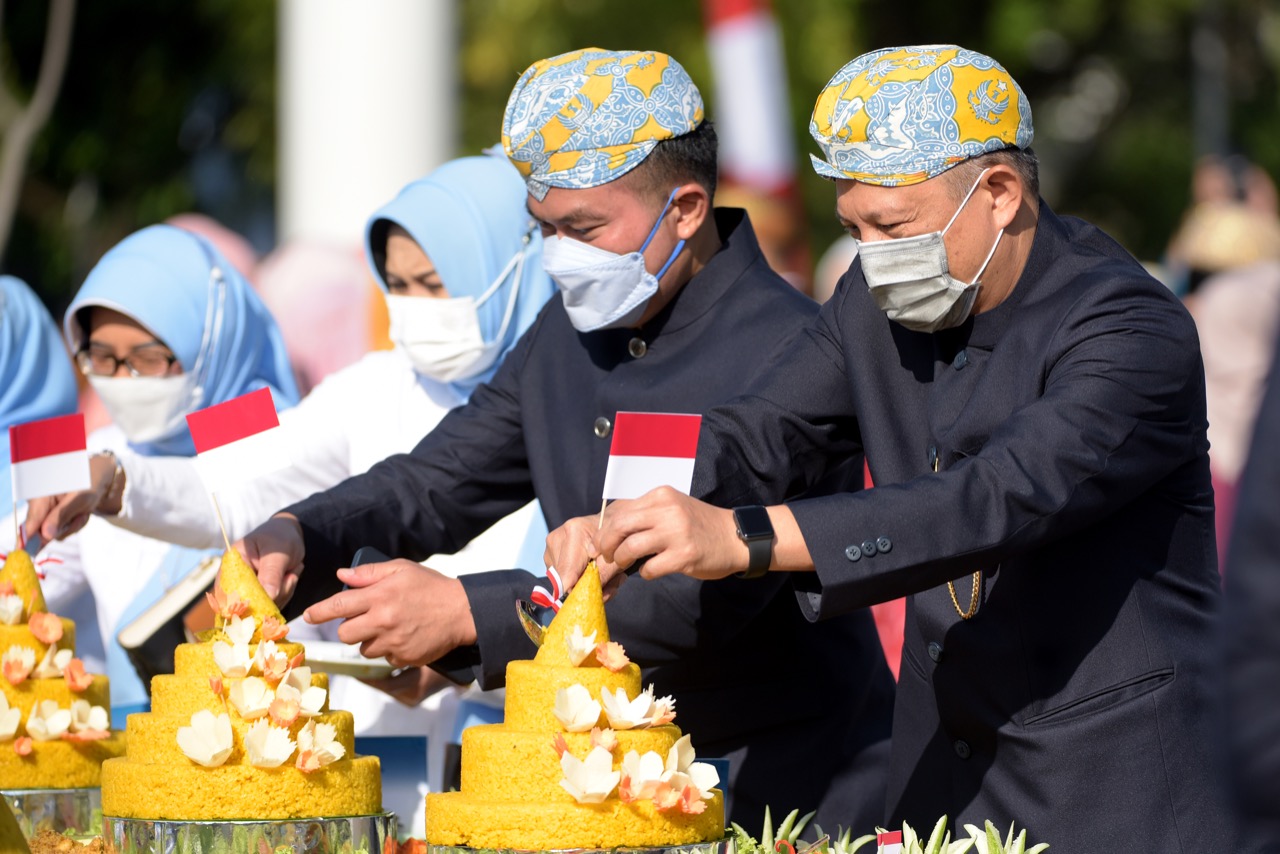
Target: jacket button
602,427
963,750
884,544
961,359
869,548
935,651
637,348
853,553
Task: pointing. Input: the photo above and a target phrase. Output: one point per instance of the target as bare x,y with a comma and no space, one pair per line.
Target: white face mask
148,409
602,289
442,337
910,280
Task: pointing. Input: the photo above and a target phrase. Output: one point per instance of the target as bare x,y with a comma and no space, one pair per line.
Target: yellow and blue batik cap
586,118
902,115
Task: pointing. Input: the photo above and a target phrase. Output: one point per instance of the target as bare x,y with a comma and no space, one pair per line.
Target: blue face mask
602,289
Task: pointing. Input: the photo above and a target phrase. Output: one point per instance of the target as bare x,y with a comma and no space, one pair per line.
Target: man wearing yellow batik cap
1031,404
667,306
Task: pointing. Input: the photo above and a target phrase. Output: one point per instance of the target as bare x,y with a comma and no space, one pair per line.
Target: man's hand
570,546
59,516
682,535
399,609
411,686
275,550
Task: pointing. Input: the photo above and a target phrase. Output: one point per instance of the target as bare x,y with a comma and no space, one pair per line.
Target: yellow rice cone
21,573
584,608
236,576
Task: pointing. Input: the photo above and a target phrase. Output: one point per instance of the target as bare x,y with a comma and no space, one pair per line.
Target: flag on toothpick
48,457
651,449
889,842
235,441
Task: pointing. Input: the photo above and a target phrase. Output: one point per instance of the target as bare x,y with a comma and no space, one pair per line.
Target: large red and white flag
237,441
889,842
48,457
651,449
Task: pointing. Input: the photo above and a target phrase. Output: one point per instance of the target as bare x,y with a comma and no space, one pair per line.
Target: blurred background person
461,261
1251,626
37,381
162,326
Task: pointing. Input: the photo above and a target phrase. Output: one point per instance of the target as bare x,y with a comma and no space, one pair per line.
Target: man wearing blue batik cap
1031,405
667,306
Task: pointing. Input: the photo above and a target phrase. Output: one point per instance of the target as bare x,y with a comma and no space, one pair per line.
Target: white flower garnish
580,647
17,662
251,697
11,608
310,697
624,713
589,780
207,741
267,746
85,716
680,764
232,660
240,630
575,709
317,746
55,661
9,718
47,721
640,775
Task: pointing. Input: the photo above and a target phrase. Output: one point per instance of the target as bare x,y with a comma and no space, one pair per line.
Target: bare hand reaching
275,550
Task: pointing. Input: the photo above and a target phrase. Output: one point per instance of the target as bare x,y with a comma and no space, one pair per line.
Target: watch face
753,522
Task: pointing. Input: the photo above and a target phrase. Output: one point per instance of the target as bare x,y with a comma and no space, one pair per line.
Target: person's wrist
108,477
754,529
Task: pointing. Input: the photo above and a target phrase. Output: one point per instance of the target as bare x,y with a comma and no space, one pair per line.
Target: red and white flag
48,457
651,449
236,441
889,842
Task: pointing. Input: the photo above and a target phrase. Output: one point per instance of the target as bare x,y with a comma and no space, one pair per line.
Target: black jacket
802,710
1068,430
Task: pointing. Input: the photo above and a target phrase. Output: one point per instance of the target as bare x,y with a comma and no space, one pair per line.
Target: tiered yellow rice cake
68,756
512,793
159,779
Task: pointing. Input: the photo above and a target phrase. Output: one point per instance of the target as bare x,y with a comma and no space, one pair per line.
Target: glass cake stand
74,812
352,834
720,846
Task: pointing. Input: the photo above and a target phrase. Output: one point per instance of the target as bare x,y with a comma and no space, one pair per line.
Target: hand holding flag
48,457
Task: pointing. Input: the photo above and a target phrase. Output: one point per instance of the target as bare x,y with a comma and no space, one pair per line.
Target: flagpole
221,526
600,524
18,541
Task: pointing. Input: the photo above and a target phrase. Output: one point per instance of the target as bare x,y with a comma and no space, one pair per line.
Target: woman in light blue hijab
175,285
163,326
36,380
469,217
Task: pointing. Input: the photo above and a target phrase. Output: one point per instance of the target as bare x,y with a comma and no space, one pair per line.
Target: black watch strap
756,530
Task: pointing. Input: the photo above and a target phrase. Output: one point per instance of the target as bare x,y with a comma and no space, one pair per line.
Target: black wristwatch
756,531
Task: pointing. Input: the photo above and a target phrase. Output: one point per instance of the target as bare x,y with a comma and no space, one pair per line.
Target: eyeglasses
147,362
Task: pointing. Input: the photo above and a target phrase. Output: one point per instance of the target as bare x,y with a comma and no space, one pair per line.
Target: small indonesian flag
235,441
48,457
651,449
889,842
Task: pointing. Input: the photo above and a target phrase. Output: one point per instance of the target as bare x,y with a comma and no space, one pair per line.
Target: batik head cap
589,117
902,115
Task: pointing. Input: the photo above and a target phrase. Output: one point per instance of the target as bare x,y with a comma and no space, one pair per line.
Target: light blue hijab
163,277
176,285
36,379
470,217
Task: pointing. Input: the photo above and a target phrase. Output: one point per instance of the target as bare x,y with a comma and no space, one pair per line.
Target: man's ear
1007,193
693,206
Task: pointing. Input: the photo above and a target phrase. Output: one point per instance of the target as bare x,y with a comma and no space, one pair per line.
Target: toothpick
221,526
600,524
19,541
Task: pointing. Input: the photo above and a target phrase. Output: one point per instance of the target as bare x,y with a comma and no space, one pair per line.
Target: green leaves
985,840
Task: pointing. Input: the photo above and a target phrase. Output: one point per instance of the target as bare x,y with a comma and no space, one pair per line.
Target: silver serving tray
74,812
720,846
341,835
